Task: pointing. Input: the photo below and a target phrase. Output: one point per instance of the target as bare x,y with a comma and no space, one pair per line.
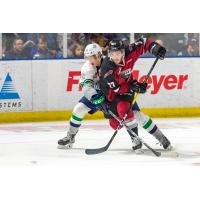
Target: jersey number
111,84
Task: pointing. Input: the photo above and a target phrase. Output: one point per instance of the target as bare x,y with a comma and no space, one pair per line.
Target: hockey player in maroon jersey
119,86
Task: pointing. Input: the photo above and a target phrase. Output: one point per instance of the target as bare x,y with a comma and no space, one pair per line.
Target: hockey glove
157,50
99,101
137,87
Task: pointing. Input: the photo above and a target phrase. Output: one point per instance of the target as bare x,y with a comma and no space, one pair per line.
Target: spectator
59,40
42,50
30,41
18,51
9,38
175,43
78,51
77,41
192,48
99,39
52,43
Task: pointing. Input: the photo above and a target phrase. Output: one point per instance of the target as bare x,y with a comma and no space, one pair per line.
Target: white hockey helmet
92,50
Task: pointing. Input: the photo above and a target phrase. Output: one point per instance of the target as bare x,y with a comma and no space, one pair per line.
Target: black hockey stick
102,149
171,154
105,148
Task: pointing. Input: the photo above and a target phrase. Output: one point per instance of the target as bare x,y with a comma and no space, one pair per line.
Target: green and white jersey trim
88,80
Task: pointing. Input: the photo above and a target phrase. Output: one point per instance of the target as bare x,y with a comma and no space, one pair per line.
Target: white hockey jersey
89,80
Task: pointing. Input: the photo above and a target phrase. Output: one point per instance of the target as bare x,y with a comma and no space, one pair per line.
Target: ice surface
36,144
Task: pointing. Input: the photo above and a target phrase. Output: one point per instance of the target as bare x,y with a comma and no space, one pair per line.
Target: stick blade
169,154
95,151
102,149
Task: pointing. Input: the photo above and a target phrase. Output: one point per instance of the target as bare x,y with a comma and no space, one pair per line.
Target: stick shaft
128,128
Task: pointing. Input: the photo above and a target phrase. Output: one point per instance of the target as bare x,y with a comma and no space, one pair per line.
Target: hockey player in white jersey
93,100
88,82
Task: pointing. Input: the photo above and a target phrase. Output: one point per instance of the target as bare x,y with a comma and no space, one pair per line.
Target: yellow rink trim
15,117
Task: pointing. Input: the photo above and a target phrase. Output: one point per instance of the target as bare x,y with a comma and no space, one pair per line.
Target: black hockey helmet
116,45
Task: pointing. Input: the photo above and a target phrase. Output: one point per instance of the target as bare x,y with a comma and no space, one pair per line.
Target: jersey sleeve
87,81
140,47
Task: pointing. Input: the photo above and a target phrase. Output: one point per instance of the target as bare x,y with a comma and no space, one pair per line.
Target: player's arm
144,45
87,84
88,87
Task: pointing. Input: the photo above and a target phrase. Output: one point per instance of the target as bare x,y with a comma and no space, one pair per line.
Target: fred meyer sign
155,82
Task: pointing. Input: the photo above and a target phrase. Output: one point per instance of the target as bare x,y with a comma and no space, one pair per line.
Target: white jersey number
111,84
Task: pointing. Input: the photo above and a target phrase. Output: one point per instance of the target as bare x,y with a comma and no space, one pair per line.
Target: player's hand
137,87
105,107
101,104
157,50
97,99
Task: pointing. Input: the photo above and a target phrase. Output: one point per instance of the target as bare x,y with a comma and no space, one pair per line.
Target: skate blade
138,151
68,146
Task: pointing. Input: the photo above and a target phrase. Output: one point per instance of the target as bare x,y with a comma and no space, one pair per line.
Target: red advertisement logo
155,82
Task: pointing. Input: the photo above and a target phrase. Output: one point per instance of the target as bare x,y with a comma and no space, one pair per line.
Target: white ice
36,144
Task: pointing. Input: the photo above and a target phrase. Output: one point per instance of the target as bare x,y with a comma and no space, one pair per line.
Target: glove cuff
99,100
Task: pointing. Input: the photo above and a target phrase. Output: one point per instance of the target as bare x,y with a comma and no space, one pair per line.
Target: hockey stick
102,149
138,138
172,154
105,148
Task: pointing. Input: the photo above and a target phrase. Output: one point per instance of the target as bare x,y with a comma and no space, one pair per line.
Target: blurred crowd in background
177,44
71,45
76,42
32,45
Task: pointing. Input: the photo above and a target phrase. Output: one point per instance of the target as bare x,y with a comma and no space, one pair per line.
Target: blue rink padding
145,57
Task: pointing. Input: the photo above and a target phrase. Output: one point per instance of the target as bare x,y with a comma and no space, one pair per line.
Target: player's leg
148,124
84,106
77,116
121,108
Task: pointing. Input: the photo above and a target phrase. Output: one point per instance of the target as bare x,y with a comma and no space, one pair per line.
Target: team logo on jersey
125,74
8,90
